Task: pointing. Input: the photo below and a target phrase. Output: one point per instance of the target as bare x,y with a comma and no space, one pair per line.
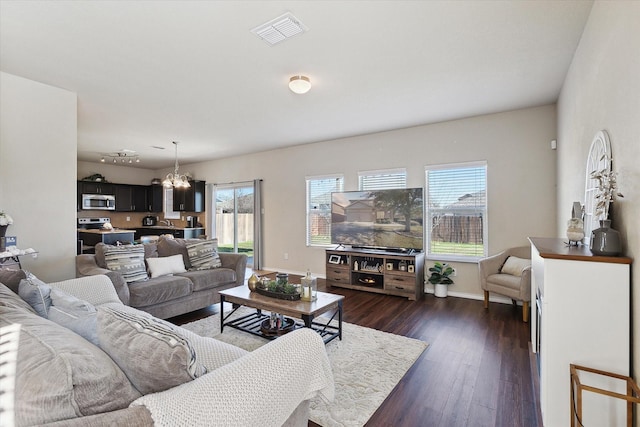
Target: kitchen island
177,232
90,237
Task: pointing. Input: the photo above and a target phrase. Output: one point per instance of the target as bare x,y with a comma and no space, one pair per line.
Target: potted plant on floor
440,278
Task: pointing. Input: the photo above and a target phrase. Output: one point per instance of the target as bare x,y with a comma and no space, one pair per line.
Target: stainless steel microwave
105,202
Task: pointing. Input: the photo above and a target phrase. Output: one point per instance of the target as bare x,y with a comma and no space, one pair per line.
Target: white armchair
512,278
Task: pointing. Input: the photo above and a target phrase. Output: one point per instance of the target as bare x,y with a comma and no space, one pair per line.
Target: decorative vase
440,290
253,282
605,240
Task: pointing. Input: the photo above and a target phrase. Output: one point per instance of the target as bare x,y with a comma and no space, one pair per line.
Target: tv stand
377,270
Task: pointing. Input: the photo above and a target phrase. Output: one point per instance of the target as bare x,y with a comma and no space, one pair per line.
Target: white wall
38,145
602,91
521,179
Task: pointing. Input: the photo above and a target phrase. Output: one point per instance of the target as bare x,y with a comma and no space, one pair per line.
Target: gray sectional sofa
172,294
106,364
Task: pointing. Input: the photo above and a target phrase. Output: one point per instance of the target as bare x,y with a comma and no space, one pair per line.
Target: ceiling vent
280,29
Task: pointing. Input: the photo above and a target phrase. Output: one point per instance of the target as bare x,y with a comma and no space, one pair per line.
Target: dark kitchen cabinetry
155,195
189,199
131,198
93,187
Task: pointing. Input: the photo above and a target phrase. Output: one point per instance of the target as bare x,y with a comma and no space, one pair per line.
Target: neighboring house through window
456,211
319,189
382,179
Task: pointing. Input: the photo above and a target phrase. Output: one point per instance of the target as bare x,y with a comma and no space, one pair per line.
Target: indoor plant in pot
440,278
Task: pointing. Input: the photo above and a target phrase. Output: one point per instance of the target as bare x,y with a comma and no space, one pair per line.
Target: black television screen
385,219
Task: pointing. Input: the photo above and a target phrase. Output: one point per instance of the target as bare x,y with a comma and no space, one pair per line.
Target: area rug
367,364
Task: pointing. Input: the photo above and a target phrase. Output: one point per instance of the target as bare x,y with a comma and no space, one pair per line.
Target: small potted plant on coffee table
440,278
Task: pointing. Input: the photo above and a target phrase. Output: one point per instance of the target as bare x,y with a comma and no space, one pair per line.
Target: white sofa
269,386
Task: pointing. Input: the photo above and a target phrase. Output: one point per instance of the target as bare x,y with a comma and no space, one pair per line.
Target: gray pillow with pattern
151,353
203,255
128,260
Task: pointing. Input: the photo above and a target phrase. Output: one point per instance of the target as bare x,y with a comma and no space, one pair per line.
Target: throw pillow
151,353
164,266
8,298
75,314
59,375
128,260
11,278
515,266
36,293
171,246
203,255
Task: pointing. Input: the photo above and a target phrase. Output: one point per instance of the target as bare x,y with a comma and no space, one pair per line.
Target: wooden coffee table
303,310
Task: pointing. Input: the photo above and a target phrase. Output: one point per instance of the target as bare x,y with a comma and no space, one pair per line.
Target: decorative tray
278,295
289,325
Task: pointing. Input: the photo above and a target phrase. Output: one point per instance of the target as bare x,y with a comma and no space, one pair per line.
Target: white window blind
319,191
456,211
382,179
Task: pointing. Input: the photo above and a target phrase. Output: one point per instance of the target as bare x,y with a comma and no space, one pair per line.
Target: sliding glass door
234,219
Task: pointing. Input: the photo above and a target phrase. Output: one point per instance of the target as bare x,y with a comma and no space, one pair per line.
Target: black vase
605,241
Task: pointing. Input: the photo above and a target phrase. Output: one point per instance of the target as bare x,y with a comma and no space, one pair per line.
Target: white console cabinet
580,313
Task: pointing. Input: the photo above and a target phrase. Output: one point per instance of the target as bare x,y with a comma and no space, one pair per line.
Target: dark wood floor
475,372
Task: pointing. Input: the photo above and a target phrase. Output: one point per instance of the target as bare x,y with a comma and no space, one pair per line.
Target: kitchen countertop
167,227
101,231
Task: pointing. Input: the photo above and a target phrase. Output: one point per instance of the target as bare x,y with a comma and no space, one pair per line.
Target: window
169,213
456,204
319,191
383,179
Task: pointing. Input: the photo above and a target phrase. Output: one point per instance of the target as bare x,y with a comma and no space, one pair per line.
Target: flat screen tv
380,219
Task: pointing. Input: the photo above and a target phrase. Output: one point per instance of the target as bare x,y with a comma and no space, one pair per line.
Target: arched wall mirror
599,159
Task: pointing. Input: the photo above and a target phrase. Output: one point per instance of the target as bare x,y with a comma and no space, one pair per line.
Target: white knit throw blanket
261,388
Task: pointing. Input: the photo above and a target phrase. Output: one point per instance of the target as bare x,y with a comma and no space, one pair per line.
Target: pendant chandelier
175,179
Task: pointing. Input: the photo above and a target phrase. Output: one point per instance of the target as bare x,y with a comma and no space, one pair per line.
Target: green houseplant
439,277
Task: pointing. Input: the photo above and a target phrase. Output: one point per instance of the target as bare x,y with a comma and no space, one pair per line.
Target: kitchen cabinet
580,314
131,198
189,199
95,187
155,195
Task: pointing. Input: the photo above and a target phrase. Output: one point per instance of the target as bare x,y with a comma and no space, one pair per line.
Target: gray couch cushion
206,279
60,375
75,314
153,353
158,289
168,247
11,277
9,298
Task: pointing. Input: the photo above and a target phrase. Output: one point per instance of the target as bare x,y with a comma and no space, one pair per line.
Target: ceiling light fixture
175,179
124,156
299,84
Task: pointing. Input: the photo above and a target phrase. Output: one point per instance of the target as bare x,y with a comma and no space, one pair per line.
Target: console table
581,315
377,271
